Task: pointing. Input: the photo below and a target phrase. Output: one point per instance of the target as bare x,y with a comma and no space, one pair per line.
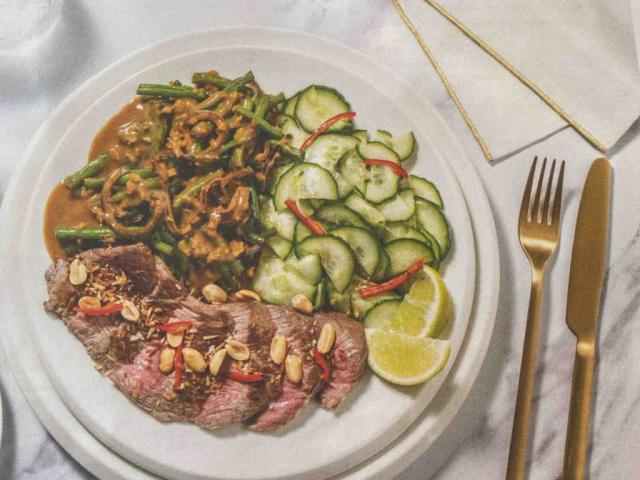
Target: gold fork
538,228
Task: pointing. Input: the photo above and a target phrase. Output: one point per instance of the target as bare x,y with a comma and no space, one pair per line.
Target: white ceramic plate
319,444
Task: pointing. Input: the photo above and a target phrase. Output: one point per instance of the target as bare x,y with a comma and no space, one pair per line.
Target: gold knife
583,304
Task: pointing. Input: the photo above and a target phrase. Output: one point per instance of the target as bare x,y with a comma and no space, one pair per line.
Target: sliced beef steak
300,331
349,357
128,353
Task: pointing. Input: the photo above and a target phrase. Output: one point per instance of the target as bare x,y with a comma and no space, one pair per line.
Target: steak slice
349,357
232,401
300,331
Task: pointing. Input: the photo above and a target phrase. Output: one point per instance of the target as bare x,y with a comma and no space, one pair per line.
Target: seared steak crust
128,353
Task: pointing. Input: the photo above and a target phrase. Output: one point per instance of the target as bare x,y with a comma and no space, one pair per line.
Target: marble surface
90,36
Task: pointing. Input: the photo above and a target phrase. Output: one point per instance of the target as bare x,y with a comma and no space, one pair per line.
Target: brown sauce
62,208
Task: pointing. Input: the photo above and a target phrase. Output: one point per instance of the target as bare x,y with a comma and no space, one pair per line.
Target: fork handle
575,447
520,431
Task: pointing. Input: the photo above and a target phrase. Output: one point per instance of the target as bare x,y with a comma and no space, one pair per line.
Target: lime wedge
405,360
425,310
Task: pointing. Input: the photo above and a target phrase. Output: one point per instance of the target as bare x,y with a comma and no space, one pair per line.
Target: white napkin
579,52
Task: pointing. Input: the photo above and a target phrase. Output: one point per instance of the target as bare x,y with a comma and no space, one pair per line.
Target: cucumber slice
308,267
318,103
379,315
278,171
328,148
352,173
335,256
304,181
382,183
275,285
280,246
433,243
382,270
363,245
301,232
290,105
369,212
401,207
361,306
431,219
321,295
399,230
290,127
361,135
334,213
283,222
403,145
405,252
423,188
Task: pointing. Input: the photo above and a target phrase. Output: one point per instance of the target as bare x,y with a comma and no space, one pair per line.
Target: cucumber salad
350,229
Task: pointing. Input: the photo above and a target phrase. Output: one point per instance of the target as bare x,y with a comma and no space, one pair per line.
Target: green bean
254,238
93,183
275,99
208,78
231,144
262,123
261,106
237,159
168,91
239,82
87,233
289,151
140,172
255,201
91,169
163,248
165,236
192,190
247,104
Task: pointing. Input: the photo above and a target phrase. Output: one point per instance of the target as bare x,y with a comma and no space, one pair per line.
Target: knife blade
586,279
589,252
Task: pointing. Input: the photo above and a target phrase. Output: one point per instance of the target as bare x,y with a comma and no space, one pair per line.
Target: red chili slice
392,284
324,127
311,224
174,328
323,364
397,169
107,309
239,376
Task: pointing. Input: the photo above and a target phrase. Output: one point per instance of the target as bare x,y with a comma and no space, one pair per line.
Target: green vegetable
163,248
208,78
140,172
93,183
192,190
239,82
91,169
168,91
87,233
265,126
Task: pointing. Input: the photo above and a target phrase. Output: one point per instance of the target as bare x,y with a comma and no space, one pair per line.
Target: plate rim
122,64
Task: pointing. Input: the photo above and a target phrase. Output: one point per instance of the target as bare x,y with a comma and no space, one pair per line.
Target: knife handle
577,441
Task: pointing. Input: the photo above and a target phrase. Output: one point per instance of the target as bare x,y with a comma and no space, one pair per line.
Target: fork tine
546,214
557,201
535,211
526,197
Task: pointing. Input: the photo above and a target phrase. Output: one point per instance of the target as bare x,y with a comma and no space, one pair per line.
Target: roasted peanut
214,294
301,303
293,368
216,361
246,296
278,348
89,302
174,339
129,311
167,359
77,272
327,338
237,350
194,360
